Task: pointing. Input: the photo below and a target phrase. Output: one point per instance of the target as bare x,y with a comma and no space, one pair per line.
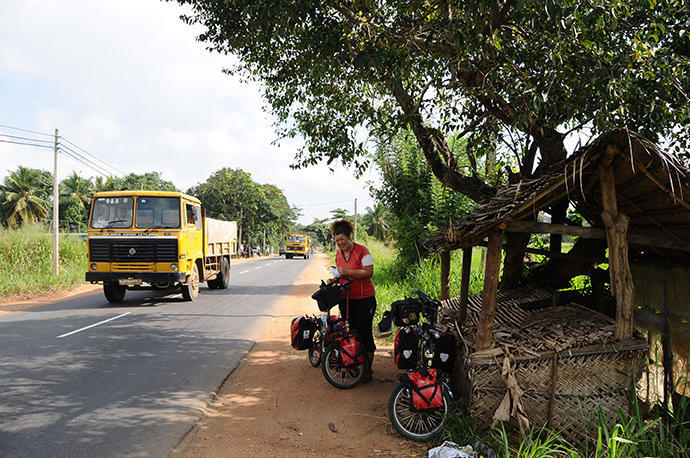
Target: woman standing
354,261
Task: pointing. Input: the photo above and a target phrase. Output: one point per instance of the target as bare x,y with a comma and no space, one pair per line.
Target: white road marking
244,272
93,325
258,267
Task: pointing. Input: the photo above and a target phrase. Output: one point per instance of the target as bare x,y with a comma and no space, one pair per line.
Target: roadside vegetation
26,262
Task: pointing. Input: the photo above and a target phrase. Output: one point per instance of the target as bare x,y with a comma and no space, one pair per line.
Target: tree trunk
514,259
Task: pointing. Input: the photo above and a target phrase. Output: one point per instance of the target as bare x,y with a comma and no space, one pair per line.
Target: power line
27,138
108,172
26,130
78,157
28,144
93,156
325,203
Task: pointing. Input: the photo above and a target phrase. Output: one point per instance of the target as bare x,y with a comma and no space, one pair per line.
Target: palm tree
377,221
77,190
24,197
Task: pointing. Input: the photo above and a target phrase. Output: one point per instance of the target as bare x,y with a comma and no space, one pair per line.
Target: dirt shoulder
276,404
22,302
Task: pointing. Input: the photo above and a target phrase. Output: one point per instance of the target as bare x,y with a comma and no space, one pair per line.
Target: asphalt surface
81,377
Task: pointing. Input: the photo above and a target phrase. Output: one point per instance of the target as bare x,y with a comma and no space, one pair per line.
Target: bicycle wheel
315,351
338,376
416,426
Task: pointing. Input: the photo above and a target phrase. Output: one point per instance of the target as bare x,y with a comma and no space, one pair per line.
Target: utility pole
355,235
56,215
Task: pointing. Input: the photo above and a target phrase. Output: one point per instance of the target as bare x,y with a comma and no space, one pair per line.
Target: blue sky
126,80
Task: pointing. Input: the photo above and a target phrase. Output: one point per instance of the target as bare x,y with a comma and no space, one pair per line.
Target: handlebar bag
444,352
349,350
406,311
302,331
327,296
406,348
425,390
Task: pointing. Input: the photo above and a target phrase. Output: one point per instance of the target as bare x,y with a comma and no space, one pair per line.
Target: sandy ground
276,404
18,303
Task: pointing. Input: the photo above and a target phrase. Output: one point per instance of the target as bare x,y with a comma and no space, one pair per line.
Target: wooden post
616,225
445,275
465,282
491,271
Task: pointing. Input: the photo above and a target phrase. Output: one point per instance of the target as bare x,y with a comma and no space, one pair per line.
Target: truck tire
222,280
114,292
191,290
288,256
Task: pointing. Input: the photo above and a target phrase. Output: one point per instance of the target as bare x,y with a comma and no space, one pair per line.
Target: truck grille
135,250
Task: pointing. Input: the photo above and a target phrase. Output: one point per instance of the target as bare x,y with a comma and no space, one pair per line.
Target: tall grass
394,281
26,262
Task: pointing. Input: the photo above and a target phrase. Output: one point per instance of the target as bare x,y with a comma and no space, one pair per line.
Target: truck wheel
191,290
114,292
223,278
288,256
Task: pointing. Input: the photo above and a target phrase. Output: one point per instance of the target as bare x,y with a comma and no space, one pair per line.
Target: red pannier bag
425,390
406,348
350,350
302,331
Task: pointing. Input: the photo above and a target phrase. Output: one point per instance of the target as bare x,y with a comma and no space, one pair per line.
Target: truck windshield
112,212
296,238
158,212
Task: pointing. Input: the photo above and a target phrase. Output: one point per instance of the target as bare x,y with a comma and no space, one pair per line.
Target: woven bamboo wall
565,377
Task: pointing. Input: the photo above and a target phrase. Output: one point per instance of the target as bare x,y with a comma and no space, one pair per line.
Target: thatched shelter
635,202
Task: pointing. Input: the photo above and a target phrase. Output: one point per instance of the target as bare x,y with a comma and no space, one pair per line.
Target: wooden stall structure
635,202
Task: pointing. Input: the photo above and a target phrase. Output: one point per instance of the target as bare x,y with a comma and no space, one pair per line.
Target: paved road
133,385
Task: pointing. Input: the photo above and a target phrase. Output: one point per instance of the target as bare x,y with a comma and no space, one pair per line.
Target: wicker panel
566,397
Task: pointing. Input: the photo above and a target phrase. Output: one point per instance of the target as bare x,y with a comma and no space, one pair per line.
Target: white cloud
126,80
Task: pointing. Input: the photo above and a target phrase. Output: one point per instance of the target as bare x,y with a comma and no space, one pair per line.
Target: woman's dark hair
342,226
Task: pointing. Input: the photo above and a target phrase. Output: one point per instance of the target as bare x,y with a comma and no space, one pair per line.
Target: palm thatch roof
652,189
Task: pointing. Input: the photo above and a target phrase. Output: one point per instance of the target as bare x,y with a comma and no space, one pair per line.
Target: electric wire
326,203
27,138
78,157
25,143
61,145
94,156
26,130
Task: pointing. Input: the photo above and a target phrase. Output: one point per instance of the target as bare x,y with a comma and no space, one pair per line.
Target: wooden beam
465,283
445,275
490,295
594,233
616,225
548,253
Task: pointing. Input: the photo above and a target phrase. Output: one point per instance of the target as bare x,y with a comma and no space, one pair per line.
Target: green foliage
26,261
75,199
520,75
417,202
25,196
231,194
377,221
151,181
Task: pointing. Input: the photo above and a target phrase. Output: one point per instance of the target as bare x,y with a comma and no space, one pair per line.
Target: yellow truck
156,240
297,244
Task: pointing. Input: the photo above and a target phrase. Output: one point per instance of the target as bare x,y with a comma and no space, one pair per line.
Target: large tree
24,197
516,73
76,193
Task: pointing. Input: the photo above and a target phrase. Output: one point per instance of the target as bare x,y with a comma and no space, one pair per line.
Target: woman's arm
360,274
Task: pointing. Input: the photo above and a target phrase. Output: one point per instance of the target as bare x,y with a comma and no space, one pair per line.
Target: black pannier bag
406,311
406,348
327,296
302,331
444,352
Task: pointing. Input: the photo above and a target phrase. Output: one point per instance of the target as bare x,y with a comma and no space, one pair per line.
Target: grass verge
26,262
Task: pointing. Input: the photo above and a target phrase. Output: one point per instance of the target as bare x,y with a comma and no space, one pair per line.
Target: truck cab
297,244
151,240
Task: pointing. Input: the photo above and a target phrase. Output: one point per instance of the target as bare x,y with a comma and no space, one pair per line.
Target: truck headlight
173,267
94,266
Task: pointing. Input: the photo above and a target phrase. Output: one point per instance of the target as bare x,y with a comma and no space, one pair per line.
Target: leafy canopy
519,74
